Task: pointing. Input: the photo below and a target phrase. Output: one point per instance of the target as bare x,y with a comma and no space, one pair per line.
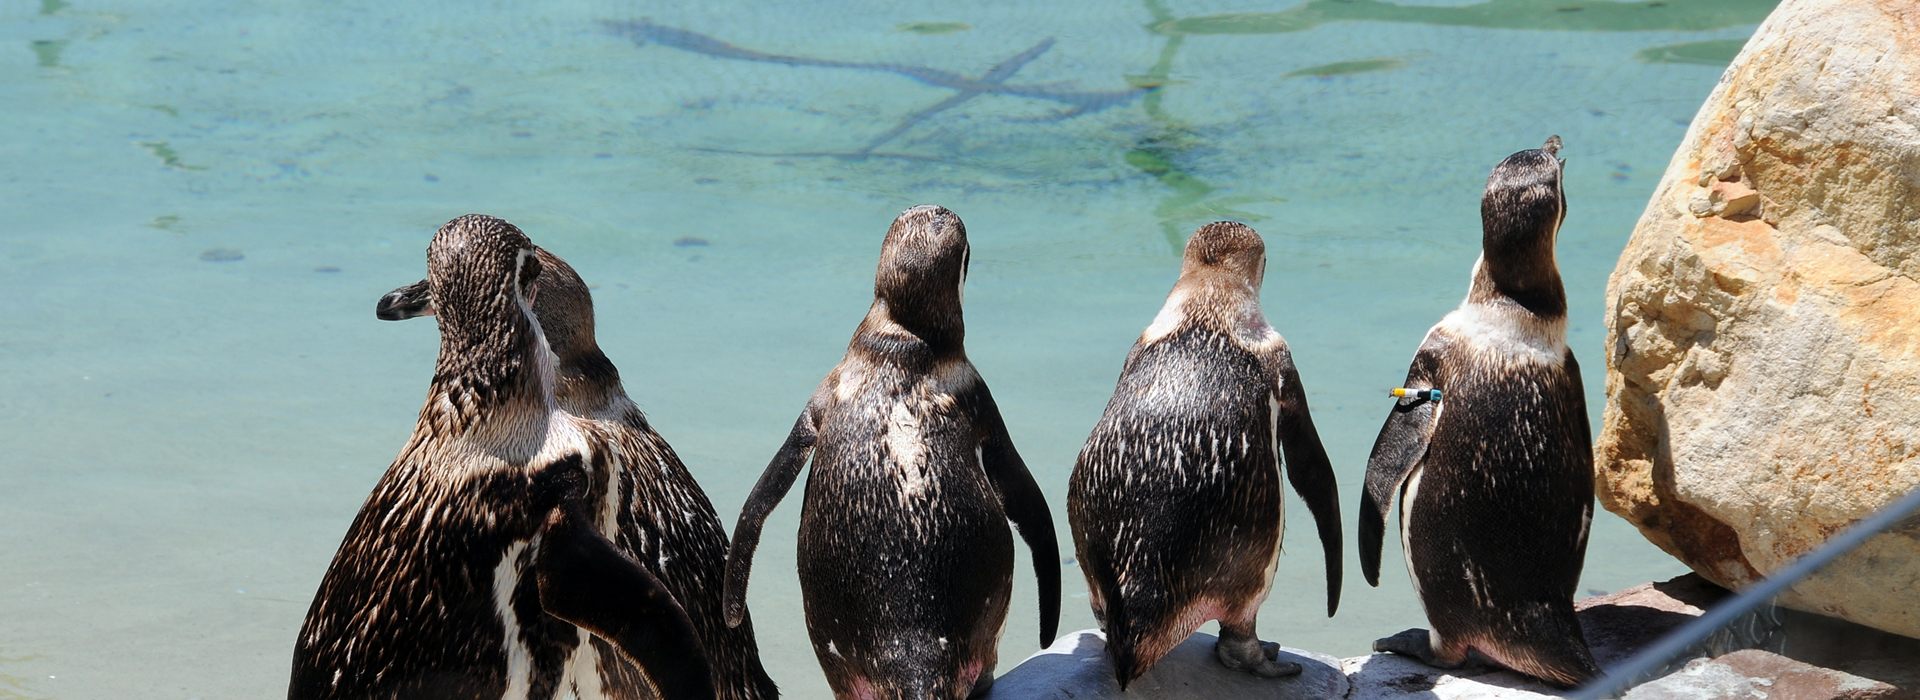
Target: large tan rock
1764,322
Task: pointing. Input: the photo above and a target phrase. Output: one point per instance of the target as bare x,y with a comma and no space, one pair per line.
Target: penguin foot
981,685
1417,643
1253,656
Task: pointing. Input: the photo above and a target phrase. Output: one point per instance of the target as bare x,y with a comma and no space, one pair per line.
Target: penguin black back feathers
660,517
438,589
905,559
1177,500
1495,479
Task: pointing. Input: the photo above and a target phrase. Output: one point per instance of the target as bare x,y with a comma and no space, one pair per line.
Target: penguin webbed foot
1253,656
1417,643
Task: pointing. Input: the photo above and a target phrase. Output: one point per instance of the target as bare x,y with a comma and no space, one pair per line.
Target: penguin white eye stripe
1560,192
966,257
526,271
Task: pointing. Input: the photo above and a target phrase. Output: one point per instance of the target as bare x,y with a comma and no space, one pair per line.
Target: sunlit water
203,200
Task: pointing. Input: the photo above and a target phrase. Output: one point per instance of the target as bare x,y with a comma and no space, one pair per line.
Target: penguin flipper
586,581
1311,474
1402,442
1020,497
767,492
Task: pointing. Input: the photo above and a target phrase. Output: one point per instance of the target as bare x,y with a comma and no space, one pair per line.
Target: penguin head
923,268
561,302
1225,252
565,308
480,276
1520,216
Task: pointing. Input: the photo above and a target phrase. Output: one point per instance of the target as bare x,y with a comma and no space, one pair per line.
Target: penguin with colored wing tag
1489,452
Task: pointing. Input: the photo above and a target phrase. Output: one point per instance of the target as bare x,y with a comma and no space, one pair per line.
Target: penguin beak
411,301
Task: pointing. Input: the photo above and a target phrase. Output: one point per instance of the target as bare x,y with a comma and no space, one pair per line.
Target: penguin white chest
1507,337
506,579
906,442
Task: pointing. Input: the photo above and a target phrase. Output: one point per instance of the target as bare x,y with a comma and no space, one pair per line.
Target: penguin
1176,501
583,579
467,573
658,515
905,559
1489,451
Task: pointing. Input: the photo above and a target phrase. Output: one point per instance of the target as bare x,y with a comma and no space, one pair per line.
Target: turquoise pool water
203,200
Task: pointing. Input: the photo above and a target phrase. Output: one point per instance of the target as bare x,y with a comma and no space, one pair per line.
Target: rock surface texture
1753,674
1764,322
1882,666
1076,667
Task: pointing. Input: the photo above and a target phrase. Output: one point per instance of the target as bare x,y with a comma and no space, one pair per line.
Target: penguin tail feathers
1552,649
1126,661
1122,645
1566,670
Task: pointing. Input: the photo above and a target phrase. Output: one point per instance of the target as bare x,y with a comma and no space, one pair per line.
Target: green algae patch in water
1154,156
1705,53
165,223
47,52
1560,15
168,156
1155,160
1192,199
935,27
1368,65
1146,81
